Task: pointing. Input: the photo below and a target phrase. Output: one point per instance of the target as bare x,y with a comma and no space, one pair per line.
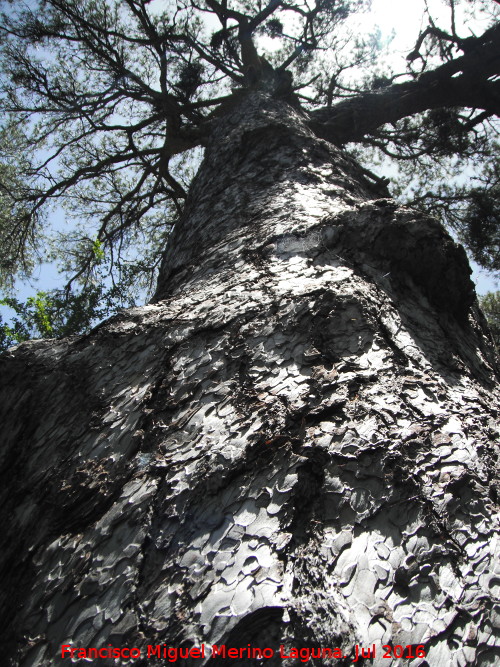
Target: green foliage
490,304
57,313
49,315
18,238
480,230
98,251
444,133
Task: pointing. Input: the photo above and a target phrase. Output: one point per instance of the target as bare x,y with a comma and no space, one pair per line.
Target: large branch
463,82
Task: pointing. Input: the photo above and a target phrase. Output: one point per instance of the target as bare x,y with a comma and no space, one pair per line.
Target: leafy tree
55,314
107,104
33,320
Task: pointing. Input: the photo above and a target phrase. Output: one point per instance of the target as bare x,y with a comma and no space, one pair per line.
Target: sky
401,21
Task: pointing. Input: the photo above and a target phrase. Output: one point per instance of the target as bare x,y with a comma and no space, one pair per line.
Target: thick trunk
293,445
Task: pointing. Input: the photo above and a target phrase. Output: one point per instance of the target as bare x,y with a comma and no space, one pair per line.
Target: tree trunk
293,445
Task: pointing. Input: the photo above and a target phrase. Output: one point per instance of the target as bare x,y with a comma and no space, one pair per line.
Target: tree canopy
107,104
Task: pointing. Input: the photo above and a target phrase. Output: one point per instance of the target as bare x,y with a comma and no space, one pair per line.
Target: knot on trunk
408,244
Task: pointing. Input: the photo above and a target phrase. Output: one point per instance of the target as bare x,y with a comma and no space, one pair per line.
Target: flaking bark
295,443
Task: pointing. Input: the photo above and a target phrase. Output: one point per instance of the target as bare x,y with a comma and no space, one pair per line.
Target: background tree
295,442
53,315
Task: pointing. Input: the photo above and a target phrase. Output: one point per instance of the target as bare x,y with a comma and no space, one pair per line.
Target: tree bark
294,444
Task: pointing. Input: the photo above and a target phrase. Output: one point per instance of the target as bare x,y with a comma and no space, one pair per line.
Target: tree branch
462,82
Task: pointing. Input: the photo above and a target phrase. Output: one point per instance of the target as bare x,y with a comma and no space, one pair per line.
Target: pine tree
295,442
